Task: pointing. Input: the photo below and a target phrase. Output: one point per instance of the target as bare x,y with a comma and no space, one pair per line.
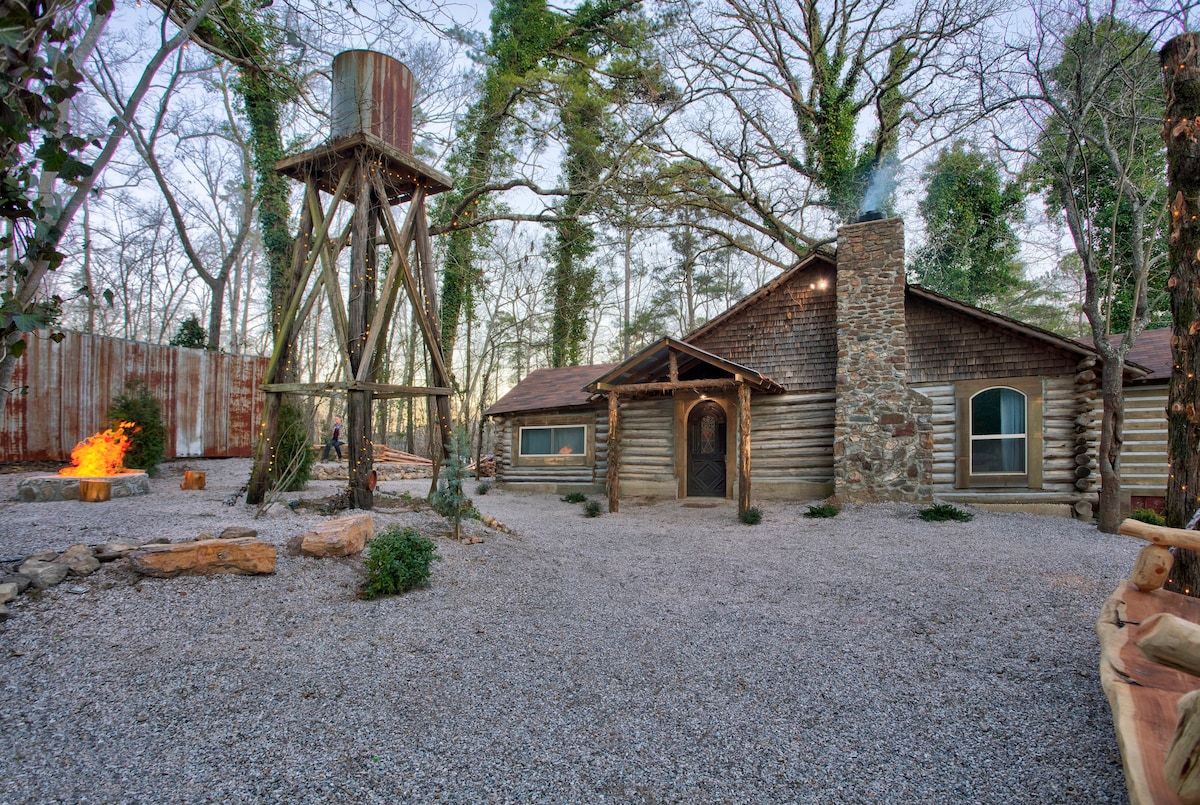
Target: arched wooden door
706,451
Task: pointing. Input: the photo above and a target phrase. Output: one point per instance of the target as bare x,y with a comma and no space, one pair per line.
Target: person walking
335,440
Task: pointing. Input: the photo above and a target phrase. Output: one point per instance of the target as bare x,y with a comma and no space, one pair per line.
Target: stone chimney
883,430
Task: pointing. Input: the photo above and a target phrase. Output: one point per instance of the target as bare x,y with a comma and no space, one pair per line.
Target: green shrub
1148,516
147,444
824,510
293,456
483,488
592,509
945,511
398,561
573,497
751,516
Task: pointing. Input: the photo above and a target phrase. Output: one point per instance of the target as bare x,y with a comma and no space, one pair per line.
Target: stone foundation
44,488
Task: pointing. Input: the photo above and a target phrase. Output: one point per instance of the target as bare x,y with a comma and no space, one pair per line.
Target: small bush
1148,516
824,510
945,511
398,561
574,497
751,516
147,444
592,509
483,488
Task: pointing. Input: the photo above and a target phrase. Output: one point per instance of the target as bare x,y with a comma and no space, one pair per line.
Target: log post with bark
1180,60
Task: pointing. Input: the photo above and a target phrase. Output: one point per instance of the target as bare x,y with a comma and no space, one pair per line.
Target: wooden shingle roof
550,388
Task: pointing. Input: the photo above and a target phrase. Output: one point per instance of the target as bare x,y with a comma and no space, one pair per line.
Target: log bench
1150,672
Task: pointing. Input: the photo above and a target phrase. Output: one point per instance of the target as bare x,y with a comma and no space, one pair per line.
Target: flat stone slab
46,488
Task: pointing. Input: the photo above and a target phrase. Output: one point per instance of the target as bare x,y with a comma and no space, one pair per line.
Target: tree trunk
1180,60
1111,439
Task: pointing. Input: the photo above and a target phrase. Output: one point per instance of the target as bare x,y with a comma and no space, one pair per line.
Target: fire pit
97,458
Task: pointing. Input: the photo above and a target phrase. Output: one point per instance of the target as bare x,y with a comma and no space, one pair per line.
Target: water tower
367,163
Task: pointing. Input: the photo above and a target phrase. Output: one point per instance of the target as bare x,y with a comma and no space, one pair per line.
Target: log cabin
835,380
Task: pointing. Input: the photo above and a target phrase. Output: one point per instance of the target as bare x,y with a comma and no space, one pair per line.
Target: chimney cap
869,215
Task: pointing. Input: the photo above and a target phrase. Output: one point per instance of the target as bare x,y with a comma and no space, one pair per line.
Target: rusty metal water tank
372,93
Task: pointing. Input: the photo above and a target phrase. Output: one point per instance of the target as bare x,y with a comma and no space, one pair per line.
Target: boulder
342,537
80,560
206,557
8,592
21,581
111,551
43,575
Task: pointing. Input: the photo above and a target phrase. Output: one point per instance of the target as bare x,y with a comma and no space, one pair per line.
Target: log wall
552,478
792,446
1144,454
1060,410
647,444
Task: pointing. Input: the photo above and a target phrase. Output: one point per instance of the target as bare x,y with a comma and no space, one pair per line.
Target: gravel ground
663,654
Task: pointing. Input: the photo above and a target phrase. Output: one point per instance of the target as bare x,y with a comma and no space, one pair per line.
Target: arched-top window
998,432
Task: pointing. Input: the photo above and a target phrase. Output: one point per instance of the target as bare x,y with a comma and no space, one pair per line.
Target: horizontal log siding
508,473
788,334
647,444
1144,454
791,438
1060,409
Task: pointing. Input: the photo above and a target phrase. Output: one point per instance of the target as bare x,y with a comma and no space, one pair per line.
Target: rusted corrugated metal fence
211,401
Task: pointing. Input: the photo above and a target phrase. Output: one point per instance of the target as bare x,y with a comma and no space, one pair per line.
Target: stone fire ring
40,488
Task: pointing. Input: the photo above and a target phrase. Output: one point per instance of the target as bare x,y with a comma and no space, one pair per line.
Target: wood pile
386,455
1150,672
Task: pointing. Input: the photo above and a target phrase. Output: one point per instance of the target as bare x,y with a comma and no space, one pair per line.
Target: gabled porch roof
671,364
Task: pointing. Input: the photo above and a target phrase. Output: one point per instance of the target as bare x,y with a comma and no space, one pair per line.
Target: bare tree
37,254
1087,80
780,92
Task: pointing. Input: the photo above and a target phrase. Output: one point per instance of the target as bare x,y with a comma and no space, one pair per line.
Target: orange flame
101,454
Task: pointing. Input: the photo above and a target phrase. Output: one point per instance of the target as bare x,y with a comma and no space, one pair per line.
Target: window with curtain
554,440
998,432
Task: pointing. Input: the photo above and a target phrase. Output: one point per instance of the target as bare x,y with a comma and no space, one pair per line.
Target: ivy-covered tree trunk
1180,60
572,281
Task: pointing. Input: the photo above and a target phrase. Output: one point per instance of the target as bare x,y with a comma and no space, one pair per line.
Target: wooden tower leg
361,309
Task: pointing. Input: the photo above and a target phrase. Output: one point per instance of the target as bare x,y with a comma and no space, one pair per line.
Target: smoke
881,185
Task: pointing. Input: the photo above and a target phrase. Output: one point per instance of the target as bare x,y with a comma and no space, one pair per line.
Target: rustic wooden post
743,411
613,480
1180,59
361,310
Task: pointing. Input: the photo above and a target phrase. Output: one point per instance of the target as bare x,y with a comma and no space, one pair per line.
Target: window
998,435
554,440
998,432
